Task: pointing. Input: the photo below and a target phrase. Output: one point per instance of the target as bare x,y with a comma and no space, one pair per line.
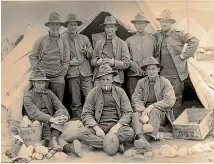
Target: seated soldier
106,109
42,105
153,98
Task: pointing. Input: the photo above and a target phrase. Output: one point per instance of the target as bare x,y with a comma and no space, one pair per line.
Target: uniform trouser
49,130
97,83
75,86
156,118
131,85
57,86
88,136
178,87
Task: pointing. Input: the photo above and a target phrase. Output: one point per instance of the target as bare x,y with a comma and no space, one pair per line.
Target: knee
136,115
126,133
154,111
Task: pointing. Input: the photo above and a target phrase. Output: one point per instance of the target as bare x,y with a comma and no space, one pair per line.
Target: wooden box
31,135
193,124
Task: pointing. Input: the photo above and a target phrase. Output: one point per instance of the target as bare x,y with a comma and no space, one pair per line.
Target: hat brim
159,65
103,25
107,73
47,23
65,24
38,79
135,21
172,20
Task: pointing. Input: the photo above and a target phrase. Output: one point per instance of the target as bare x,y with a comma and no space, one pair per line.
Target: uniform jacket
93,107
140,47
121,56
175,42
84,67
164,93
41,46
32,105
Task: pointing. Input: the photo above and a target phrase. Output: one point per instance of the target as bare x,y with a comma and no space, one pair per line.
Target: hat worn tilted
151,61
54,17
166,15
109,20
72,18
105,70
38,75
140,18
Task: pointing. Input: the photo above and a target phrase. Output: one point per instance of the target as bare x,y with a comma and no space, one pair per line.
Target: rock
182,152
31,149
197,148
138,156
42,150
190,150
60,156
206,147
37,156
211,144
168,151
37,144
130,153
149,154
50,154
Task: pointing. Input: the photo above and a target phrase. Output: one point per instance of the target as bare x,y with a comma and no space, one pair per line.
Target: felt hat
166,15
54,17
140,18
151,61
109,20
38,75
105,70
72,18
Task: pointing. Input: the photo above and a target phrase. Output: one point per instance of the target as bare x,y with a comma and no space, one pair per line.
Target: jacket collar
168,33
141,34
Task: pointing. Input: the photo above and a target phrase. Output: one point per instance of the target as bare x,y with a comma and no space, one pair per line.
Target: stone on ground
168,151
182,152
130,153
149,154
197,148
60,156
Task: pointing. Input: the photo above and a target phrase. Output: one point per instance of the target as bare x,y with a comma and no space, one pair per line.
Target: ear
116,27
158,69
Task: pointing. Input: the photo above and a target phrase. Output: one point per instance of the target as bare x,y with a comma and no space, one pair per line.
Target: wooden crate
31,135
193,124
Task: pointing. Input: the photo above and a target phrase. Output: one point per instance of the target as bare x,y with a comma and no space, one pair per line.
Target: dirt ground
101,157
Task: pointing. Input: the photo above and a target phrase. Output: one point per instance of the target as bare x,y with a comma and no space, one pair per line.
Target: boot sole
139,145
78,148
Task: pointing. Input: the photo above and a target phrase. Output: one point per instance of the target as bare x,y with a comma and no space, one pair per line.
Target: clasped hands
59,120
100,133
108,61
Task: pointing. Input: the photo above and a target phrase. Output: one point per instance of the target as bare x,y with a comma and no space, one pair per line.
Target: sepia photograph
107,81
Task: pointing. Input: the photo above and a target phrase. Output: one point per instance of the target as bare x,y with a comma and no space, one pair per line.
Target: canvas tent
16,66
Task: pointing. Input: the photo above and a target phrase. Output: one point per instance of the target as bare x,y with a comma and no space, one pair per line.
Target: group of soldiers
156,69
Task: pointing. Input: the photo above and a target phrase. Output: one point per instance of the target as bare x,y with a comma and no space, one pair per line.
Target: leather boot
121,149
142,143
55,144
75,148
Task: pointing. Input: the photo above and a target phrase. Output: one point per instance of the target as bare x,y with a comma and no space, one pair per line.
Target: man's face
72,27
110,29
152,70
140,26
54,27
39,85
166,25
106,82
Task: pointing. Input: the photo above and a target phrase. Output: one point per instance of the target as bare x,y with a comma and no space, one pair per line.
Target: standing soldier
170,52
79,72
141,45
51,54
112,51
